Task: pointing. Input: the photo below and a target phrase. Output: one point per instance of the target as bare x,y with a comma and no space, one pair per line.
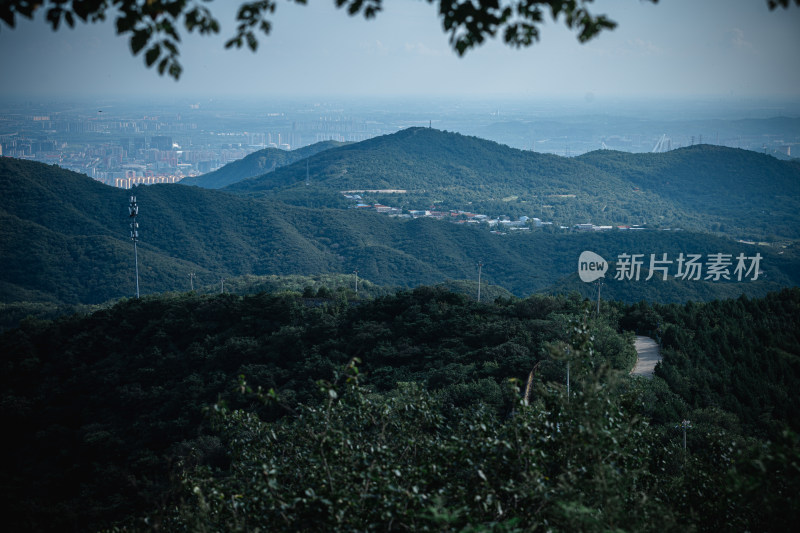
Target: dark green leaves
781,3
152,24
251,15
470,24
139,40
152,54
370,8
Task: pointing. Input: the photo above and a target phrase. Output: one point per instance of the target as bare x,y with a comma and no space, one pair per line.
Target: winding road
648,355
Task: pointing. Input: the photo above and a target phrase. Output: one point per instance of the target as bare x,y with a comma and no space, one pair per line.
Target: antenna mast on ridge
133,210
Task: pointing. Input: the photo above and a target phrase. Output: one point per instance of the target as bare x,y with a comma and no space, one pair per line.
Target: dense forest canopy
108,411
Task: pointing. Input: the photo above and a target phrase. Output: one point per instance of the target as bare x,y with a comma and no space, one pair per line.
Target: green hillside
149,409
293,403
256,164
737,190
449,170
739,193
65,240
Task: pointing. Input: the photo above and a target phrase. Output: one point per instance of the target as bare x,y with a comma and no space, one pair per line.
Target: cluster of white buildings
592,227
130,181
500,224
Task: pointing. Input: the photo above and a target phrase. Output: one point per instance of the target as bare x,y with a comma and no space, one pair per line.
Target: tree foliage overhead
154,26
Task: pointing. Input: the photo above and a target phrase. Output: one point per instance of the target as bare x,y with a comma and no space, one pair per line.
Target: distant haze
674,49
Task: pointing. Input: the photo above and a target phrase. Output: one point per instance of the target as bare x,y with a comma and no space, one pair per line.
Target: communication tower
133,210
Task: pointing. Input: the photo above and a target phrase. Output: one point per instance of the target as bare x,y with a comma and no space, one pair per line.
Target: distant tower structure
133,210
308,179
599,286
663,144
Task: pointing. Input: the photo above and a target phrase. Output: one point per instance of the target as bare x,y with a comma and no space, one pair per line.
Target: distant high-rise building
161,142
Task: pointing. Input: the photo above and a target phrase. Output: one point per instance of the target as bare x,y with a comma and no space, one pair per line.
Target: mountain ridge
256,164
65,237
704,187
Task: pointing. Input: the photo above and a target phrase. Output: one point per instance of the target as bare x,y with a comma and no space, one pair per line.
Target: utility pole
191,280
686,424
133,210
355,272
480,266
222,285
599,285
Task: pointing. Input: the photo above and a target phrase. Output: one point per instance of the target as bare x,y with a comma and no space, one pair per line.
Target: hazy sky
676,48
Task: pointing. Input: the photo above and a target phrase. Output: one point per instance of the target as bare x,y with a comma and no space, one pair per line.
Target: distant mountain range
257,164
64,237
729,191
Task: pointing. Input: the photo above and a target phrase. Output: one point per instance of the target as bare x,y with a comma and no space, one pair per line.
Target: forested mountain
112,399
738,188
108,424
257,164
710,188
291,402
65,240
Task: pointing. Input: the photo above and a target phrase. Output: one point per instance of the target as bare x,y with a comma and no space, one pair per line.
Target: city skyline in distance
670,50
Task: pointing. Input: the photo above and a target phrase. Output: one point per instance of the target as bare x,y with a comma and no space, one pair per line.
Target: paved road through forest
648,355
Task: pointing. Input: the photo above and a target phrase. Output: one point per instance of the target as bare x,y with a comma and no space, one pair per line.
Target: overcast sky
676,48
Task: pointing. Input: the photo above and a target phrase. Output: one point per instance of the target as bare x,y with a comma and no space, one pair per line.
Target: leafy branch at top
152,25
